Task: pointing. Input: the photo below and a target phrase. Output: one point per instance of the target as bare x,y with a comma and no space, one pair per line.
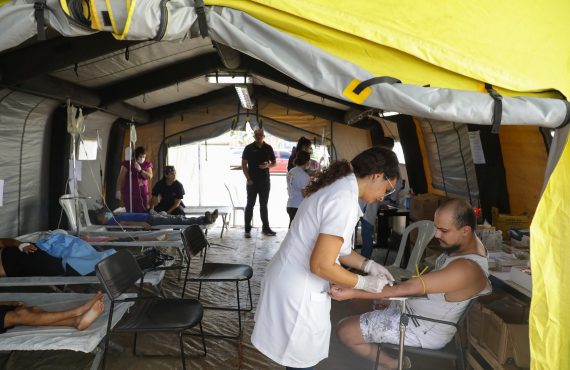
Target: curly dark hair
370,161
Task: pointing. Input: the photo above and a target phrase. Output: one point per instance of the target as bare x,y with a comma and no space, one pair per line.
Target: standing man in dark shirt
171,193
256,160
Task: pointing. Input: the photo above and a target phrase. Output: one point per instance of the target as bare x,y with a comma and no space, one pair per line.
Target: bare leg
34,316
348,331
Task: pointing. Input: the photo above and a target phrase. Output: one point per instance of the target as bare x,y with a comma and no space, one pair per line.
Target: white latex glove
372,284
138,167
376,269
163,213
118,195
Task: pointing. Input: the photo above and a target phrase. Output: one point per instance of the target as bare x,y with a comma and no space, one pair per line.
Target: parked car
282,158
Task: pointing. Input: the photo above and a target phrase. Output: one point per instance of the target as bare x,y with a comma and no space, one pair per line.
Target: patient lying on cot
17,313
57,254
147,220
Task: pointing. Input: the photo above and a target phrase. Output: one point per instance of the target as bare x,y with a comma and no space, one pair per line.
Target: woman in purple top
139,171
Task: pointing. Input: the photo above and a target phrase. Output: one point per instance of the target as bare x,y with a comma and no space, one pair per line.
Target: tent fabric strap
374,81
163,21
497,108
201,12
567,118
39,7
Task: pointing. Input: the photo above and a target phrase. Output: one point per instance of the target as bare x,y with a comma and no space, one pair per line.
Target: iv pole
132,140
75,127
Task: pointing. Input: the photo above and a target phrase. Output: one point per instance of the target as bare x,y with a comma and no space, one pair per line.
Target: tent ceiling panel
295,118
184,90
45,57
324,72
141,57
258,80
445,46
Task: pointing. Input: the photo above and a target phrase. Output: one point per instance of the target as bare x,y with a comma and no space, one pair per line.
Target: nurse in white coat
292,321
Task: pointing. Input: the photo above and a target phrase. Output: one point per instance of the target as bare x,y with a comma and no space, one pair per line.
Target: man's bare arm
460,275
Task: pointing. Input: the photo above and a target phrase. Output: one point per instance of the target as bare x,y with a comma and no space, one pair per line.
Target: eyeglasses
391,191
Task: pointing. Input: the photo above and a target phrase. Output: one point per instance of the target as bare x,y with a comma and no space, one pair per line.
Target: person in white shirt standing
292,321
297,180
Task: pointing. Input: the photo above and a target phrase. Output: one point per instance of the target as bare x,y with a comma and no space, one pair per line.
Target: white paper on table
476,147
77,170
1,193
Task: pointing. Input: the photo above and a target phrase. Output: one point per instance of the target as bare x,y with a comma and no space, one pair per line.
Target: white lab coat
292,321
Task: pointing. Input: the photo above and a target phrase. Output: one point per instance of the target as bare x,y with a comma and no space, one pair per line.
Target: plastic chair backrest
194,240
234,199
426,231
230,195
118,272
67,202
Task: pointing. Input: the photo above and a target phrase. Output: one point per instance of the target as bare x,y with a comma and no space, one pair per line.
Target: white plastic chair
426,232
235,205
67,202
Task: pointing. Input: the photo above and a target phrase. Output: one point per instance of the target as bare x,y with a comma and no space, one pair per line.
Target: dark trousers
261,188
155,220
291,212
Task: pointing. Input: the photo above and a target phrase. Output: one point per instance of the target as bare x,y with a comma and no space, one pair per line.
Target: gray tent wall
24,162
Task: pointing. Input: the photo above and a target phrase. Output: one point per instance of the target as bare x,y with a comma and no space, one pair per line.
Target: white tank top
432,335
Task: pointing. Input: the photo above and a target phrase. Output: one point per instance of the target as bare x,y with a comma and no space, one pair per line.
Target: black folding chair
453,351
195,242
119,272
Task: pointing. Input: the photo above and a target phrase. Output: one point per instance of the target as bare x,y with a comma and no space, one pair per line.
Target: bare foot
91,315
89,303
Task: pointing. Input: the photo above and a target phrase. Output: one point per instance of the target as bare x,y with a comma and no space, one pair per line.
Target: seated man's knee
348,330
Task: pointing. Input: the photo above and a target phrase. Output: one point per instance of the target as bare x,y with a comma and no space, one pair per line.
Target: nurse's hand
372,284
339,293
376,269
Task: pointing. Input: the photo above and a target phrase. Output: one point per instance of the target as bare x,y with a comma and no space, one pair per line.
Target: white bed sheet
29,338
153,278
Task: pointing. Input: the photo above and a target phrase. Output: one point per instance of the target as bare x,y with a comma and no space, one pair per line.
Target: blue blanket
73,251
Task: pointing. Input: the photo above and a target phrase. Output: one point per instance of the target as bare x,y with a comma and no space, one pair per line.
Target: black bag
152,258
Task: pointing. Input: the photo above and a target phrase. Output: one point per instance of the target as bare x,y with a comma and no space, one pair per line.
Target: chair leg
377,362
203,340
182,357
250,299
460,360
107,339
185,280
239,308
135,345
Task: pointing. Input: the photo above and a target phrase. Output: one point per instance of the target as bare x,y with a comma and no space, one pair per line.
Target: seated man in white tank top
460,274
